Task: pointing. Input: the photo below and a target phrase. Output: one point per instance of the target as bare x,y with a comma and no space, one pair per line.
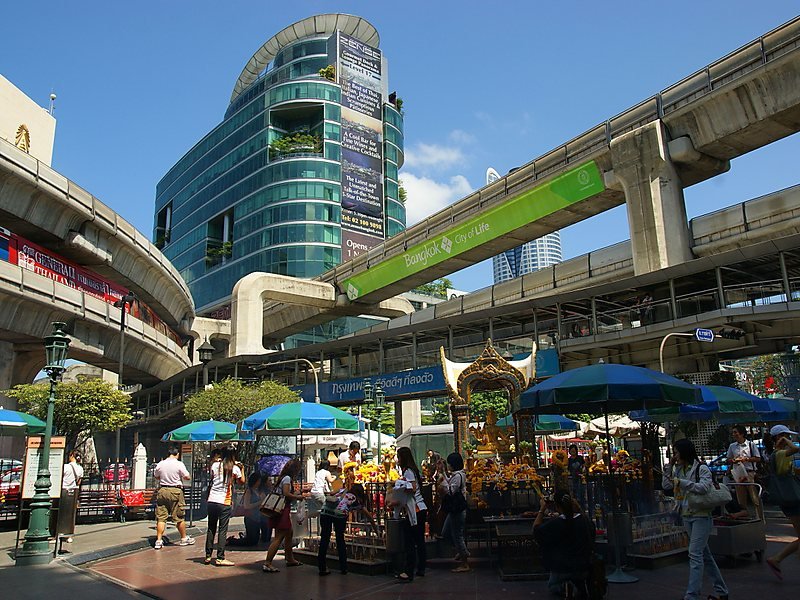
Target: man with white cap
785,490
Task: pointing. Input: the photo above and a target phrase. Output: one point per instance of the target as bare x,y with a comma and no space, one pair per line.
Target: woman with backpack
687,476
225,470
453,492
784,489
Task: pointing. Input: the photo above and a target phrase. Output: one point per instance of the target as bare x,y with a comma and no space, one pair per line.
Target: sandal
207,560
269,569
404,578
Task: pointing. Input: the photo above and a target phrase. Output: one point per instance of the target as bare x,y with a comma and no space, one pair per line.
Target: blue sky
484,85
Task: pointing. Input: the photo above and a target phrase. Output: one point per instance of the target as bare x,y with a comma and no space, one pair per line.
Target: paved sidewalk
177,573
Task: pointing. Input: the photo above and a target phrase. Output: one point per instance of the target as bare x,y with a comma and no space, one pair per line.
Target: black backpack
456,502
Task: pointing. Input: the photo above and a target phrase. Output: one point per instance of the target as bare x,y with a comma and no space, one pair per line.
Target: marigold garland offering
486,472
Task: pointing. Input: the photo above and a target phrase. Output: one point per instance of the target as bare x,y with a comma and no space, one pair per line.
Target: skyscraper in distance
530,256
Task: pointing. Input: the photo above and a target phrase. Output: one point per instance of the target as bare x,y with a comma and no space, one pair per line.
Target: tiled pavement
177,573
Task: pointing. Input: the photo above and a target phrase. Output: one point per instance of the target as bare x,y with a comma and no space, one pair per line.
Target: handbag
273,505
718,495
456,502
238,505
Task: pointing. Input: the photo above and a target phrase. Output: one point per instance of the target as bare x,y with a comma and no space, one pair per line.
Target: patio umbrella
15,423
608,388
205,431
725,403
545,423
301,418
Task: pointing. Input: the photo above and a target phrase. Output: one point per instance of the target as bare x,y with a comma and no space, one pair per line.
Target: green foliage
225,250
81,408
398,103
585,417
402,194
296,143
763,367
481,402
328,73
441,413
437,289
232,400
386,417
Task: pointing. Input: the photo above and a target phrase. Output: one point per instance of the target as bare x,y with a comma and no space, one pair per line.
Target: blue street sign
704,335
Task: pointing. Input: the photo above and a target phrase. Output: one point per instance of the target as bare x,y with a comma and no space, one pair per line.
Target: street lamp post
297,360
379,399
205,353
36,550
127,300
368,400
664,341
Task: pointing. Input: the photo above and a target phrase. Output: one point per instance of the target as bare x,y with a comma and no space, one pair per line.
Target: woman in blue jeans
687,475
451,485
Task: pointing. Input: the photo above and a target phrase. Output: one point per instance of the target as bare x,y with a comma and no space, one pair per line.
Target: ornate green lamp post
36,550
368,400
379,399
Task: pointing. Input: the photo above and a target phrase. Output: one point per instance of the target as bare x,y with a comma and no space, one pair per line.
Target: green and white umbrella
205,431
301,418
13,422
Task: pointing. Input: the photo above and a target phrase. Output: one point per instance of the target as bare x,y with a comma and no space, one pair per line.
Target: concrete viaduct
42,205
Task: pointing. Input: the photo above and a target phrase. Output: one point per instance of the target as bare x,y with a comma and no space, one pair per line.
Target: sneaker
187,541
159,544
223,562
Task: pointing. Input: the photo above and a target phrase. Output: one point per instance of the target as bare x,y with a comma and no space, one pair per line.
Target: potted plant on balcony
328,73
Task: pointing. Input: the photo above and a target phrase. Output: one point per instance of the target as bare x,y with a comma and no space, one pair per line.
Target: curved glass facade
267,189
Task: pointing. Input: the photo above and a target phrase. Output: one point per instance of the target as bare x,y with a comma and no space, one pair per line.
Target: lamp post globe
204,354
36,549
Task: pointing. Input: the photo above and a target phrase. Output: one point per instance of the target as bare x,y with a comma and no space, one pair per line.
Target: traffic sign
704,335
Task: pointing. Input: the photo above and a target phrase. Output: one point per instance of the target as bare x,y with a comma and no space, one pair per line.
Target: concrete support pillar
16,367
407,414
654,197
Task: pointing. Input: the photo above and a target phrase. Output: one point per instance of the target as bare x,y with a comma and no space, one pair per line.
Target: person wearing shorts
170,502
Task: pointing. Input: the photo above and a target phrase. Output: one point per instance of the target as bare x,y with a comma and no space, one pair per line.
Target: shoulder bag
718,495
456,502
273,504
784,489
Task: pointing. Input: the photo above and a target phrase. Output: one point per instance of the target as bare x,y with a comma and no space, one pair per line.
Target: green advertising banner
573,186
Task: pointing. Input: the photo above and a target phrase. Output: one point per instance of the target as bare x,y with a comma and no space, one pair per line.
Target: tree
232,400
82,408
387,417
441,413
437,289
480,403
768,375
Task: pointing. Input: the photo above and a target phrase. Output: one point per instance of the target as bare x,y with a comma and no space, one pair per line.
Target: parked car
11,485
124,472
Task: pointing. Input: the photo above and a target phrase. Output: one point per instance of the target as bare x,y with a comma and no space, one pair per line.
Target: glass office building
301,174
531,256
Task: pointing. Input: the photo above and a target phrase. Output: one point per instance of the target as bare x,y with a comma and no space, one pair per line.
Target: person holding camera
453,492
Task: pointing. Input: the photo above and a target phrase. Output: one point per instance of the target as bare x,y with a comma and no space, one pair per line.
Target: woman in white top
282,525
224,471
322,481
413,528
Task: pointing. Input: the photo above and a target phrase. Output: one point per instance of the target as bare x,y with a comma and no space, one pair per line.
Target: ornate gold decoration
489,371
23,140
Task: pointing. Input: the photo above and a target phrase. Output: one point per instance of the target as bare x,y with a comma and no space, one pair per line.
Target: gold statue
491,438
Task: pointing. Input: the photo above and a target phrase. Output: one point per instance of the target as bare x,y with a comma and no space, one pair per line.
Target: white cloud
459,136
432,156
427,196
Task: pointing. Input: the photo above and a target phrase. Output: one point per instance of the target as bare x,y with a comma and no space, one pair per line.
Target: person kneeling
565,541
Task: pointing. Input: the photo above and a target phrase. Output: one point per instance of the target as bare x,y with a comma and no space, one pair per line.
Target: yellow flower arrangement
487,472
368,473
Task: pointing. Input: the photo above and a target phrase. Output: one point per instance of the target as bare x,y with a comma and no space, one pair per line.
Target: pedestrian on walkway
743,456
224,472
334,517
453,488
70,492
785,490
282,525
686,475
170,501
413,524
